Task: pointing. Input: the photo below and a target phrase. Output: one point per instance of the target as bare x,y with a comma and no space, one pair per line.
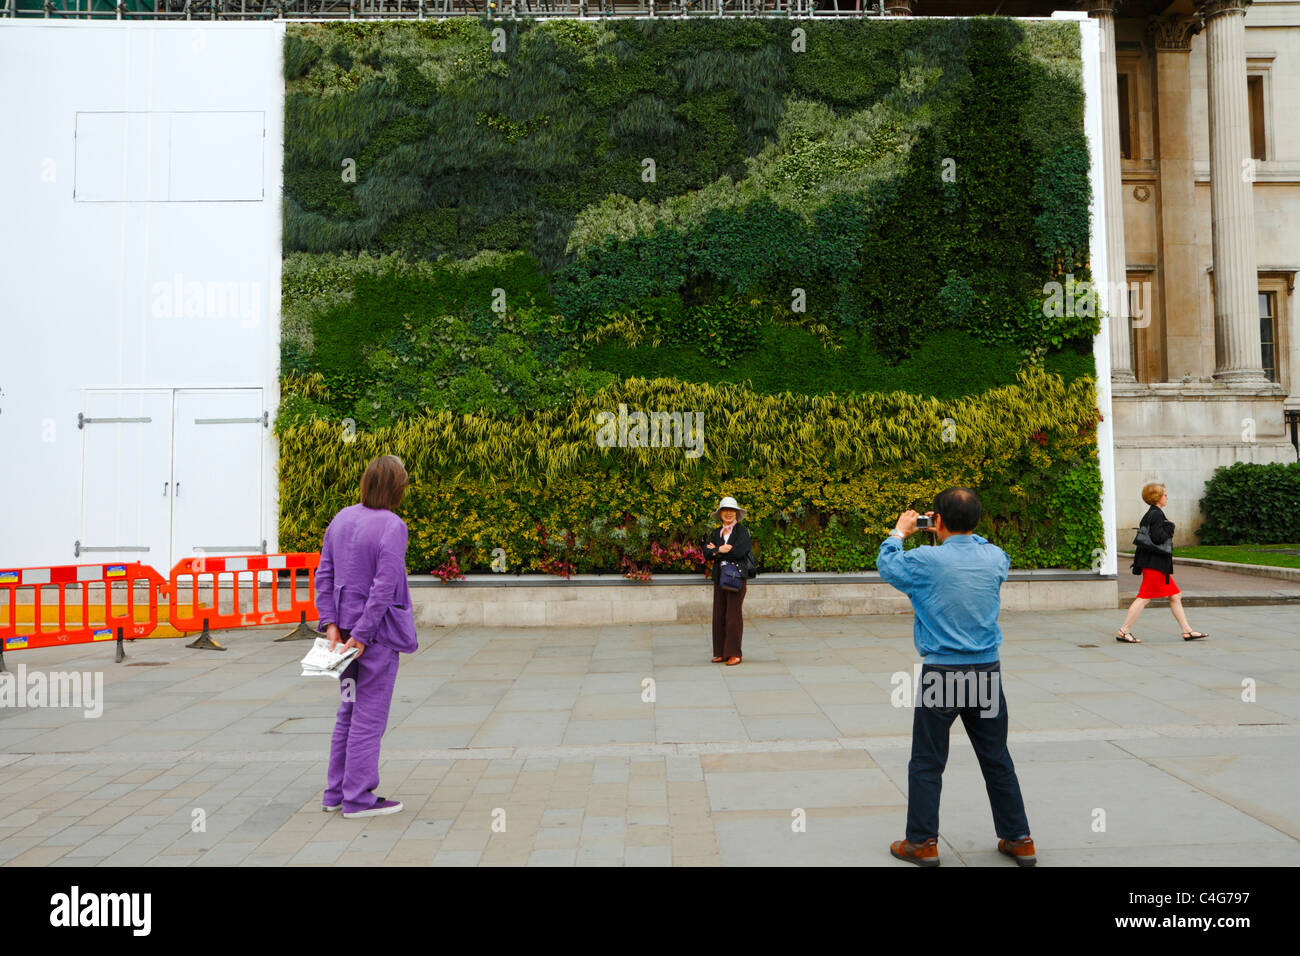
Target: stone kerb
594,600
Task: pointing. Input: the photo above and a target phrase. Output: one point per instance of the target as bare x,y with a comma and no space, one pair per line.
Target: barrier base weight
204,641
300,633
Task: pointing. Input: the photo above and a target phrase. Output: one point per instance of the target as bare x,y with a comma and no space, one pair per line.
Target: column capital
1208,9
1173,33
898,8
1099,7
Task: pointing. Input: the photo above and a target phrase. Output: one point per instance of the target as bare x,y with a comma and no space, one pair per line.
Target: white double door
171,473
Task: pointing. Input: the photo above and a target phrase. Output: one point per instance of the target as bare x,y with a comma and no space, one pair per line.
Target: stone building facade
1201,134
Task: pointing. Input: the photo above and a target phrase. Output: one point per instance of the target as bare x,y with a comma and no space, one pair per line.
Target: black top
1161,530
739,548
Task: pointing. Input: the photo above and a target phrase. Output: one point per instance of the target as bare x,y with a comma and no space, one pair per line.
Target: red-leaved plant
557,567
449,570
633,571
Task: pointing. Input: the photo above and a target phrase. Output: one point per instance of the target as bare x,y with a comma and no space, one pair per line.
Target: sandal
1193,635
1125,636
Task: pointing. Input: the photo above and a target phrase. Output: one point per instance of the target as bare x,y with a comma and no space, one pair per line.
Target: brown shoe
1022,850
718,660
732,662
922,854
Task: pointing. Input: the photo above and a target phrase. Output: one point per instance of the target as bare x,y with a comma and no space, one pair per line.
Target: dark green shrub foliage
1246,503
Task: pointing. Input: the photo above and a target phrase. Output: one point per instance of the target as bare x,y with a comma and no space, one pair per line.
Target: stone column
1188,349
1232,210
1121,350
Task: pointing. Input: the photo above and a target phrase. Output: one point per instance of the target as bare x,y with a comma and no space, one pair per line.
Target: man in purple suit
363,598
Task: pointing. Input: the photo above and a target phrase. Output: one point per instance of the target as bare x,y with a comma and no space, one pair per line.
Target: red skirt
1153,585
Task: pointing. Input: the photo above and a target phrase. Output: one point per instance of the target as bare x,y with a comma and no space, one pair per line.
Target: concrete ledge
593,600
672,580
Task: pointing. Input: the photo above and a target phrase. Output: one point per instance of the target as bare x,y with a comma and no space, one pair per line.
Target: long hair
384,483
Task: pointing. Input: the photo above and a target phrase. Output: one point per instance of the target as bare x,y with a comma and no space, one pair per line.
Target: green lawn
1245,554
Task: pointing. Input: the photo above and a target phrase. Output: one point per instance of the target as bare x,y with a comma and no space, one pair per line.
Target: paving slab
1164,753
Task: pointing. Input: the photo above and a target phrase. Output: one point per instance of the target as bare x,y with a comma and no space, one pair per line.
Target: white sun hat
728,502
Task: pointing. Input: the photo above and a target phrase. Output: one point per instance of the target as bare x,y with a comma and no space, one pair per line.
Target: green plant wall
708,216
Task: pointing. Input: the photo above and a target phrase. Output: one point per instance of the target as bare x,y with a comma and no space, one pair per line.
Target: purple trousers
366,689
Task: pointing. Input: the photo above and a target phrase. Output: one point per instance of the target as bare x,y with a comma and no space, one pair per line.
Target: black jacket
1161,530
739,548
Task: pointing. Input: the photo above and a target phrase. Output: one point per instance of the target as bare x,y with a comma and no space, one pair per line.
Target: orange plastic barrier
95,617
82,618
241,574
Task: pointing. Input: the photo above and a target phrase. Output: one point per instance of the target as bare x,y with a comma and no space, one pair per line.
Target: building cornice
1267,171
1194,391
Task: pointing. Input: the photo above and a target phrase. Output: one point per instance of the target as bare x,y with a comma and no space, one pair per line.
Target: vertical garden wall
823,246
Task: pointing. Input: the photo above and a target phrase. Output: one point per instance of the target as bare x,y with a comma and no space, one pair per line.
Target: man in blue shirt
955,593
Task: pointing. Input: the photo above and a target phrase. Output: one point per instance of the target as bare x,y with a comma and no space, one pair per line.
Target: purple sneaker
381,808
332,809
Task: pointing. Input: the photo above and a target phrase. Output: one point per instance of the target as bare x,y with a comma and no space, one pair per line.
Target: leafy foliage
1247,503
827,473
827,252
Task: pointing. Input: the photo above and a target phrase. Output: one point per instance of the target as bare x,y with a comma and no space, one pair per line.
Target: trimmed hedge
1246,503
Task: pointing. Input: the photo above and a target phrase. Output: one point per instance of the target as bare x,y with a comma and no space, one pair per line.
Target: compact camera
924,521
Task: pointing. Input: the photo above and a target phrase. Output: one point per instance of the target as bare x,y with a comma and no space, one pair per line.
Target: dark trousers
988,736
727,623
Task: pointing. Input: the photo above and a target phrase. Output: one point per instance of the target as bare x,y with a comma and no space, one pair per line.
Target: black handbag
731,578
1143,540
749,565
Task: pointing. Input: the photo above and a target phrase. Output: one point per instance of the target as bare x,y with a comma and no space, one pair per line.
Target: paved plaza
536,746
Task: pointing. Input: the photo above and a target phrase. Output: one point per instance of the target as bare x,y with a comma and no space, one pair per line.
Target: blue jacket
955,590
361,583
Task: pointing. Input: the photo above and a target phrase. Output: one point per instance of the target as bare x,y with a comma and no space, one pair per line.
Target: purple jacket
361,582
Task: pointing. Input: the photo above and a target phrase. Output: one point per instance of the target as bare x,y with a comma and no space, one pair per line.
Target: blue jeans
988,736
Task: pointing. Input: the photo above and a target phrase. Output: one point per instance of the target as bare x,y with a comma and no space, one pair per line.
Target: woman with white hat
728,544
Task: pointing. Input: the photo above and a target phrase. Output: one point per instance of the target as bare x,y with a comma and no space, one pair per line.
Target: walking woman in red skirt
1156,568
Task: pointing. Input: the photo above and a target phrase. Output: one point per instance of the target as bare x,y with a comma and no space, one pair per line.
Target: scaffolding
425,9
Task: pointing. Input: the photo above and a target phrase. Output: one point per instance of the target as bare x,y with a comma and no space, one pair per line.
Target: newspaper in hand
322,662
